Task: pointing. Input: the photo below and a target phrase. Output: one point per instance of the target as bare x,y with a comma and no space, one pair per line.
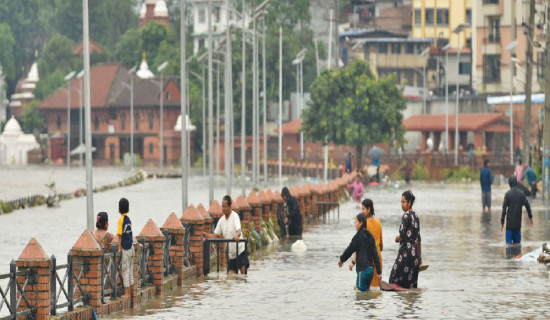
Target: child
364,246
126,243
357,187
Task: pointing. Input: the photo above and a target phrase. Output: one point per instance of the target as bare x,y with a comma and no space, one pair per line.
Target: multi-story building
153,10
436,19
497,24
220,15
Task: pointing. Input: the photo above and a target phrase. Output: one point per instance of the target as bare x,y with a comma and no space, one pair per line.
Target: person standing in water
409,258
294,217
512,209
364,246
486,180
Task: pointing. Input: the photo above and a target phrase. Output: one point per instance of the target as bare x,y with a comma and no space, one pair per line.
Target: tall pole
329,62
424,85
218,121
203,121
161,84
89,178
511,112
80,124
183,108
210,110
457,95
243,109
265,101
132,121
528,83
301,107
546,129
447,101
228,87
68,124
254,96
280,104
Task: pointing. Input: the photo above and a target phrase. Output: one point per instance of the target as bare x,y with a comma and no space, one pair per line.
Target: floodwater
471,275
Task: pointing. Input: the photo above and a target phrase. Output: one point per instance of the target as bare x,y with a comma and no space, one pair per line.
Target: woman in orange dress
375,228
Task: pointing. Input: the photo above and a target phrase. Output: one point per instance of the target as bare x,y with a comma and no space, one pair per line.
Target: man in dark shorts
486,180
229,227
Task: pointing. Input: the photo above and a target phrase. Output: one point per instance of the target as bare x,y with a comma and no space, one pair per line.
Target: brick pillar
315,197
88,252
152,234
38,291
308,189
192,217
272,205
256,212
245,209
320,171
266,205
207,218
175,229
216,213
299,194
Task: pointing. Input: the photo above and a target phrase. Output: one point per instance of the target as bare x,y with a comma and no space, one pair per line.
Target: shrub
464,173
420,171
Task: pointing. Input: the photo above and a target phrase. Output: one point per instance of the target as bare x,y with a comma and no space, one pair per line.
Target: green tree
352,107
31,120
48,84
129,47
57,55
7,59
152,35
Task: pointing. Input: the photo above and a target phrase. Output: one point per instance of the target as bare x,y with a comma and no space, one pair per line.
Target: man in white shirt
229,227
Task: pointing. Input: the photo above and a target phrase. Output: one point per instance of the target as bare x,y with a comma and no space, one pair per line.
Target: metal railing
186,253
69,283
15,293
207,248
328,207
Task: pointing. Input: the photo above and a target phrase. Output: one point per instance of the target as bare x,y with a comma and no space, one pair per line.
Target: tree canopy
351,107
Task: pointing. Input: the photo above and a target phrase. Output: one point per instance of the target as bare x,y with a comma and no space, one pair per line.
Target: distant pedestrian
101,234
409,258
519,171
364,245
408,171
356,190
126,245
512,210
229,227
486,180
518,154
531,179
348,163
294,217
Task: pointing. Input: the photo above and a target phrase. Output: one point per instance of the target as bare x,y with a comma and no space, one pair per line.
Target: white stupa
161,10
14,144
144,72
188,124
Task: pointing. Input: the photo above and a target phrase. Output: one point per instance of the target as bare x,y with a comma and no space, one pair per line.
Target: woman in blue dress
405,269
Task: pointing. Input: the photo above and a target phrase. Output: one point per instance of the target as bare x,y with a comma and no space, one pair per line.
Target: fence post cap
202,210
86,242
151,231
215,210
252,199
192,216
172,222
262,196
33,252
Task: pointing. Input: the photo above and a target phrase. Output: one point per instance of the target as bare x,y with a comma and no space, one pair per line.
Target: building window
396,48
491,68
383,48
230,15
419,48
151,121
137,121
464,67
429,19
469,16
541,65
123,121
366,51
96,123
202,15
409,48
201,44
150,148
490,1
442,17
409,77
168,96
494,29
58,123
417,17
217,14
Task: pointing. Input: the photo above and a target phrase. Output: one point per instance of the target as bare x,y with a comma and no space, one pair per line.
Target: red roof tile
466,122
291,127
78,49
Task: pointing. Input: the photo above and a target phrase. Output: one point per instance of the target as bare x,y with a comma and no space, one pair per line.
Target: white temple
14,144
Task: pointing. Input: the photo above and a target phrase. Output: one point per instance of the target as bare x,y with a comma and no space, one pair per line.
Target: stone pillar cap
278,198
192,216
151,231
172,222
215,210
33,252
202,210
253,200
264,199
86,242
241,202
270,194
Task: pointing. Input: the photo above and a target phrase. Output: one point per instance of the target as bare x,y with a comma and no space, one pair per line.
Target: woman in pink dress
357,190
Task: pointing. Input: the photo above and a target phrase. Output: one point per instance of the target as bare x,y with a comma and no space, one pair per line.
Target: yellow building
438,18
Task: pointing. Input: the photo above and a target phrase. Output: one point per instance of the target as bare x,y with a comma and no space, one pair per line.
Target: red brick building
110,104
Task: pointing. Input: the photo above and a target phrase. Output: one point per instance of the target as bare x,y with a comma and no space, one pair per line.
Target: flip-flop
423,267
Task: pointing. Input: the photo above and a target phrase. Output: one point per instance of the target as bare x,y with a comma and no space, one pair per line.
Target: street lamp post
298,61
510,48
161,87
446,49
131,72
68,78
424,54
89,181
265,100
183,107
80,76
243,109
210,110
280,104
457,31
228,102
254,100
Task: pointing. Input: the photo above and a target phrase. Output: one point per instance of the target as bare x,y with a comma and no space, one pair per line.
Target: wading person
405,269
126,245
512,209
364,246
357,190
102,236
229,227
293,218
529,173
348,163
486,180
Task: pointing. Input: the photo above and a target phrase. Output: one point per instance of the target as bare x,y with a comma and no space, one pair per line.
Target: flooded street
471,273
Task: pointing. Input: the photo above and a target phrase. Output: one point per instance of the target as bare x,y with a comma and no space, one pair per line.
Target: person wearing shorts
486,180
126,245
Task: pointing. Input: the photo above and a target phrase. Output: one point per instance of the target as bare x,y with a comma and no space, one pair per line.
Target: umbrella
375,153
80,149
